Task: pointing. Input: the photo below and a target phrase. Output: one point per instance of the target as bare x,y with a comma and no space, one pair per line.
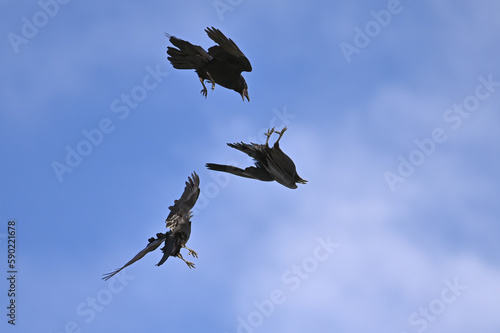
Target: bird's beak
245,94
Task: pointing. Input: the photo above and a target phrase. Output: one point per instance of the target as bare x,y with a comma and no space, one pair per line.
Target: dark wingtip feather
210,166
236,144
216,167
109,275
194,179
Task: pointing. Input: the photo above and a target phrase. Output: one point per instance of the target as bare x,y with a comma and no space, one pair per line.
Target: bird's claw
192,253
268,134
189,263
204,92
280,133
212,82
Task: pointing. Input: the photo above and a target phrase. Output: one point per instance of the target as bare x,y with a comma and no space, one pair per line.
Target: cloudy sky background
351,119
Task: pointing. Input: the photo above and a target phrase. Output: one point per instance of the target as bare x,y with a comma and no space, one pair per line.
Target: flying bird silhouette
222,64
179,225
270,163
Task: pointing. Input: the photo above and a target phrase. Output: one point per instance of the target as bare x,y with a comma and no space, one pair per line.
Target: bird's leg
280,133
191,252
212,81
204,90
268,134
190,264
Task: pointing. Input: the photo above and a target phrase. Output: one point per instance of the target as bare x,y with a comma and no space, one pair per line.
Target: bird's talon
204,90
268,134
213,84
280,133
210,80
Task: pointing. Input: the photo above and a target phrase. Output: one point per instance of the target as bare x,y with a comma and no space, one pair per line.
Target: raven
270,163
222,64
179,223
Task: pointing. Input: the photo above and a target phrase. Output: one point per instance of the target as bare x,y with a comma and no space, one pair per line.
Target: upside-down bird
179,225
222,64
270,163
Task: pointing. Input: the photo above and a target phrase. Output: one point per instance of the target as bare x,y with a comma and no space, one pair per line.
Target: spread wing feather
188,199
153,245
228,49
187,56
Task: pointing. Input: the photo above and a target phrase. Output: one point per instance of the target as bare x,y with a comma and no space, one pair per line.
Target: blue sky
391,110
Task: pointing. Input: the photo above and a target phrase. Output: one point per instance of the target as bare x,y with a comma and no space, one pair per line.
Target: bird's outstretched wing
253,150
250,172
188,199
186,55
153,245
227,49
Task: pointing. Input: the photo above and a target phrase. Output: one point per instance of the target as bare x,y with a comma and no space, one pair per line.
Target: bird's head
245,94
300,180
293,184
243,89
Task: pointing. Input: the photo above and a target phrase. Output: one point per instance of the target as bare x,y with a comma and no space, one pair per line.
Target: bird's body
177,237
271,163
222,64
179,224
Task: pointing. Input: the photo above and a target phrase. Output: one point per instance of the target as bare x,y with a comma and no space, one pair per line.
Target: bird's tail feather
167,249
109,275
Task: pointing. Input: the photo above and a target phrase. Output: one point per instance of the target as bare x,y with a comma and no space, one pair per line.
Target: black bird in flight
222,64
179,225
270,163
